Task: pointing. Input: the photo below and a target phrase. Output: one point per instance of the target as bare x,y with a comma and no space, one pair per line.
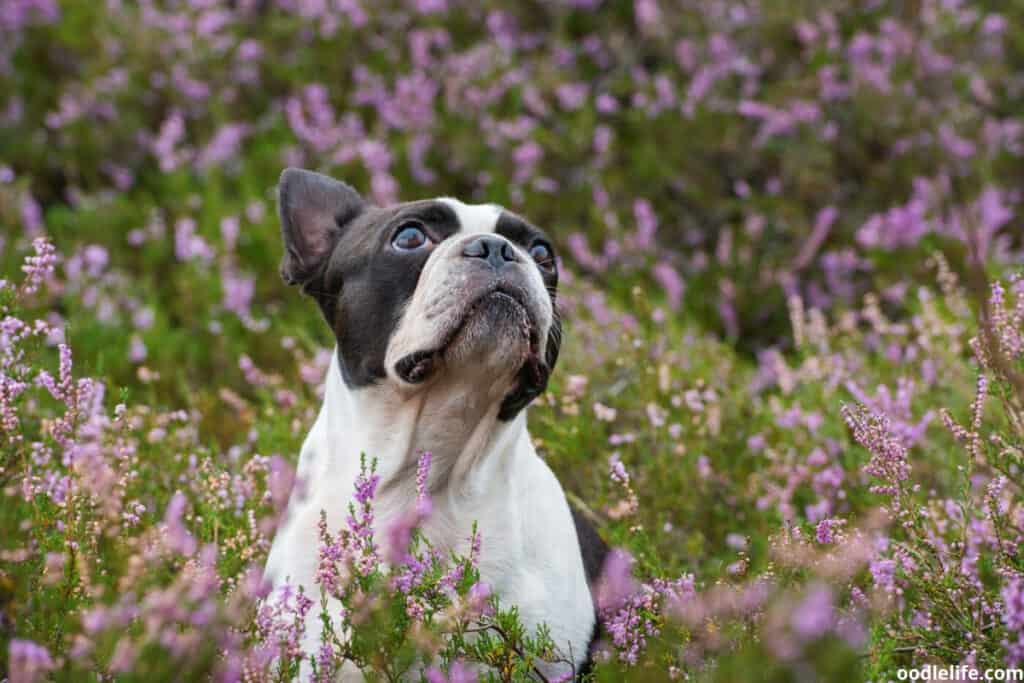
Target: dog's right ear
313,209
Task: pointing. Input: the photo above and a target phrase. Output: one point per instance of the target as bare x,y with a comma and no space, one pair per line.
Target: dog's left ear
314,208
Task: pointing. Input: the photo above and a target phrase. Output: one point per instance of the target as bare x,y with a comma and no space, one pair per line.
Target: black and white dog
444,315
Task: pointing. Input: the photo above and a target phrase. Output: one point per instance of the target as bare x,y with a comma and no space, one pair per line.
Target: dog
446,329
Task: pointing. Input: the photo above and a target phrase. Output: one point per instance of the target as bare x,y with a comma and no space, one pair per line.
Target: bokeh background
761,209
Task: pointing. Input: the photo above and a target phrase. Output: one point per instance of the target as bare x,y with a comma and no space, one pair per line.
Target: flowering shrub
951,569
790,391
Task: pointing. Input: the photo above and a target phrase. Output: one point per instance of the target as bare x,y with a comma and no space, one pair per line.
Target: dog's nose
491,248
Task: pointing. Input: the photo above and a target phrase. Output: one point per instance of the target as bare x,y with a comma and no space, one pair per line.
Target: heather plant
951,570
862,548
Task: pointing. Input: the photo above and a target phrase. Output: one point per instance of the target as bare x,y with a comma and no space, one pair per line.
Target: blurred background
721,154
721,178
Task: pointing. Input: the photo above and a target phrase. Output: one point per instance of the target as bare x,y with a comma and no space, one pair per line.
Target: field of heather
791,388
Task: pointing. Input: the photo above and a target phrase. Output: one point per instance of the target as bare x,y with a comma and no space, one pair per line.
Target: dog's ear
313,209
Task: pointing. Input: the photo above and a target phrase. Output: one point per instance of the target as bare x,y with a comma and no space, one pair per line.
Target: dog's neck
455,419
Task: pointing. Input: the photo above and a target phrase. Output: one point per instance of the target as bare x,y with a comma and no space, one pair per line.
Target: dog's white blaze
474,218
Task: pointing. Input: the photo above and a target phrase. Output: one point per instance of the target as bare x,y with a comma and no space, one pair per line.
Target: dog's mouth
418,366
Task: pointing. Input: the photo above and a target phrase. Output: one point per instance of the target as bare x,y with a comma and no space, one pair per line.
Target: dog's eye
410,238
541,253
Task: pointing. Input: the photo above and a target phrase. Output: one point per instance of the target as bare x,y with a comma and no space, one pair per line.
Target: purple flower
39,267
28,661
883,573
815,615
61,389
646,224
188,245
1013,604
399,535
95,258
366,487
636,618
31,215
360,521
457,673
164,147
572,96
325,662
647,13
618,472
249,50
431,6
422,473
137,351
478,596
212,21
889,461
22,13
238,291
822,225
526,157
606,104
176,534
904,225
583,254
616,583
230,227
222,146
825,533
280,621
671,282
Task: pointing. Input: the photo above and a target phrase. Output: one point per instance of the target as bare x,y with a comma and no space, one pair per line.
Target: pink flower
457,673
616,582
825,533
238,292
28,661
671,283
188,245
39,267
176,534
223,146
646,224
164,147
815,615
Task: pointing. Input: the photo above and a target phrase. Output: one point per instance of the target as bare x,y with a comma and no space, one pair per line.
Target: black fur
592,546
532,380
366,283
594,551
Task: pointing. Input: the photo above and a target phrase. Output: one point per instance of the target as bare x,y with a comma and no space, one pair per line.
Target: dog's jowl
444,316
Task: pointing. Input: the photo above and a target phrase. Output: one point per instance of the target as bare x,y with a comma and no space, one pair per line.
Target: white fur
484,470
474,218
443,290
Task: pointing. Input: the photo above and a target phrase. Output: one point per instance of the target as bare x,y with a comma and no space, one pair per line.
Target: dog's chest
529,555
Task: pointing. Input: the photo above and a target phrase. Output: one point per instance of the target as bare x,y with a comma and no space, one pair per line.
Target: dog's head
423,290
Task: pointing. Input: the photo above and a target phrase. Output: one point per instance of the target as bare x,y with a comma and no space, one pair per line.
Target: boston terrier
446,329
